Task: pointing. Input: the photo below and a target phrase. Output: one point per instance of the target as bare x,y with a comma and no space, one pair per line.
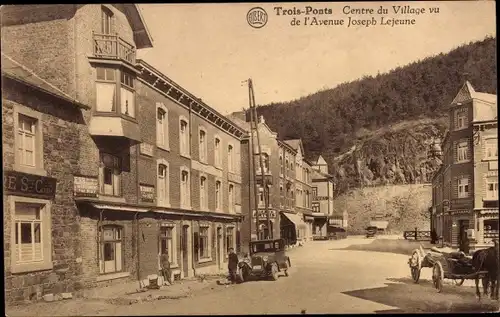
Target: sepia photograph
250,158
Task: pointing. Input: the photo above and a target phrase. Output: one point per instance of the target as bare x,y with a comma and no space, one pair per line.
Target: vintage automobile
371,231
267,258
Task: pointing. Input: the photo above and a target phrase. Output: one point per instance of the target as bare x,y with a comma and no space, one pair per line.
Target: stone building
143,165
465,188
41,124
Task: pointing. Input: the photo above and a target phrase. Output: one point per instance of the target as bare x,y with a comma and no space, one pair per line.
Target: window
461,120
491,149
26,140
463,187
110,249
105,89
218,195
261,196
28,233
106,21
314,192
168,242
281,166
127,94
315,207
204,243
31,248
106,97
492,189
229,239
185,189
162,127
462,152
265,159
217,152
184,137
231,198
230,162
203,146
163,184
110,175
203,193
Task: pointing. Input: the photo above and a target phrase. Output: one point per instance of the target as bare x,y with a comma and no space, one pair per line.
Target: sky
209,49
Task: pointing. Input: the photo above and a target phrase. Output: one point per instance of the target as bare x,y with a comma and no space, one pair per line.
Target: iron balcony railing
114,47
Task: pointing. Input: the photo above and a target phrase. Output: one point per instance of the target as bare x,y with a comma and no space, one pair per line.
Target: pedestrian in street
165,267
232,265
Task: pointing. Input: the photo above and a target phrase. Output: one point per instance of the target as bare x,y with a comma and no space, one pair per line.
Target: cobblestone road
323,279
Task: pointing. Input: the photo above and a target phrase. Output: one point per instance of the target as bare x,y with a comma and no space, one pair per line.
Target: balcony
111,46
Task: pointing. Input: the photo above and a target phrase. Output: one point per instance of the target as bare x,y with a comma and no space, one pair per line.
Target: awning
295,219
119,208
307,218
319,215
380,224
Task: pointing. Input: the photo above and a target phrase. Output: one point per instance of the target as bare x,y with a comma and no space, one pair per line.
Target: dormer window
106,21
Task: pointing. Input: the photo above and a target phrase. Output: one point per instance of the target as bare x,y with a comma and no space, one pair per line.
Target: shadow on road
409,297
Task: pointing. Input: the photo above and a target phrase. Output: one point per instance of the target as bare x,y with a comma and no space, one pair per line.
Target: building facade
288,176
465,188
325,216
41,125
141,165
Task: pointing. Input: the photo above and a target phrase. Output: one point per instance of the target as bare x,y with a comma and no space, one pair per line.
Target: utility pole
252,169
265,188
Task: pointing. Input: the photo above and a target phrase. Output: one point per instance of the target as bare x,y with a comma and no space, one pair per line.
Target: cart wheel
415,266
437,276
458,282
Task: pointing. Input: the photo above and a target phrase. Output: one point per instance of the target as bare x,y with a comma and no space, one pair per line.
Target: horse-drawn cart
450,265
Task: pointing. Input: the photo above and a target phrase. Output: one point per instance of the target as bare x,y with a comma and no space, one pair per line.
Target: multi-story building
141,164
303,189
324,214
289,184
465,188
41,125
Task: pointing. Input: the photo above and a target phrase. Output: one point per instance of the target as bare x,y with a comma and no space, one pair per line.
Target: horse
487,260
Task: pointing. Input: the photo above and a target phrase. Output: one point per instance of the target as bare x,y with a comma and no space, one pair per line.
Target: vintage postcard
250,158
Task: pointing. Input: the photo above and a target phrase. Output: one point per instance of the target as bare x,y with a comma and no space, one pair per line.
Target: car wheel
274,272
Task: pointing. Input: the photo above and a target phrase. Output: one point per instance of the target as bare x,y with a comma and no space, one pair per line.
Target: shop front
293,228
320,226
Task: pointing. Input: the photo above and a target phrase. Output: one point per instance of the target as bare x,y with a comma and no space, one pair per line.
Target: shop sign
321,198
262,214
147,193
23,184
85,186
146,149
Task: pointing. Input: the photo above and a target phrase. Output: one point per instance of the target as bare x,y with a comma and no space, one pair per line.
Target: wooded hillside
376,129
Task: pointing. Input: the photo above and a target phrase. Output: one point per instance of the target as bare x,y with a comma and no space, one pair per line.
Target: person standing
232,265
165,267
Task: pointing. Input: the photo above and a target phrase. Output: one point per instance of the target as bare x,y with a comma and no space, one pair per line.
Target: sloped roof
483,110
16,71
142,37
320,175
237,121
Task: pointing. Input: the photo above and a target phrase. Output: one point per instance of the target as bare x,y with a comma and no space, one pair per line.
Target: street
323,279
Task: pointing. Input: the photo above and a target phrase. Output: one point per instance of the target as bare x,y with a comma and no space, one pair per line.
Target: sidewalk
130,292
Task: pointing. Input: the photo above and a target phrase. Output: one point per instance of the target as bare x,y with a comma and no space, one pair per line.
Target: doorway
184,250
463,240
219,248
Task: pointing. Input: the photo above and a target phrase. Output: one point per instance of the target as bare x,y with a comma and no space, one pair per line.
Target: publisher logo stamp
257,17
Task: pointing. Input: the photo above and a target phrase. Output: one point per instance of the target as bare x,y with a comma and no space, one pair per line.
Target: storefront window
110,253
